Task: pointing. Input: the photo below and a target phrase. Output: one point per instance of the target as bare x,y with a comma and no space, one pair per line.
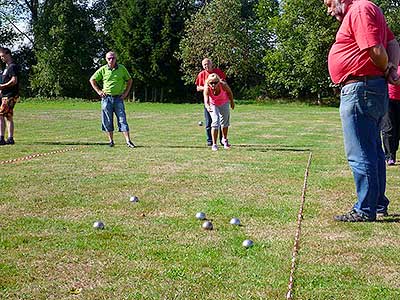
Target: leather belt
353,79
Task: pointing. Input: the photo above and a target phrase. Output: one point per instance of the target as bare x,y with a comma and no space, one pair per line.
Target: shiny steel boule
200,215
98,225
207,225
134,199
235,221
247,243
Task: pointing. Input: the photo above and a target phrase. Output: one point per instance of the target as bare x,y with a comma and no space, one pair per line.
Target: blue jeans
362,107
109,106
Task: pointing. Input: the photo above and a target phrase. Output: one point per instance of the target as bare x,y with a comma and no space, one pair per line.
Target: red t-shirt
203,75
363,26
394,90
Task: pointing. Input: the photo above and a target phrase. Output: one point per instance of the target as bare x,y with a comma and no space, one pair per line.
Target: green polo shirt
114,80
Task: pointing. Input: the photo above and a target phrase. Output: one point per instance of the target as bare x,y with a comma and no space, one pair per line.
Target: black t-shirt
10,71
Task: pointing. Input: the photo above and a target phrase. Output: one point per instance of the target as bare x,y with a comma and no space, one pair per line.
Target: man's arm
13,81
379,56
393,52
127,89
96,88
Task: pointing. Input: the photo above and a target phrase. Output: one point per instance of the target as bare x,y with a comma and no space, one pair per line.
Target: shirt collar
112,69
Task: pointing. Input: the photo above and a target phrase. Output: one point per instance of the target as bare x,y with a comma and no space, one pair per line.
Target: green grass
156,249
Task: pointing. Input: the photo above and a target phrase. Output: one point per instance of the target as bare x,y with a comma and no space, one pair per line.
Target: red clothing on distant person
203,75
219,99
394,90
349,54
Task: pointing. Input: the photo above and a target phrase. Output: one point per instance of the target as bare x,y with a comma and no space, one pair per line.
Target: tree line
267,48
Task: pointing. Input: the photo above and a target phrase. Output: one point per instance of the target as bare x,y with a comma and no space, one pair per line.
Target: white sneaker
214,147
226,144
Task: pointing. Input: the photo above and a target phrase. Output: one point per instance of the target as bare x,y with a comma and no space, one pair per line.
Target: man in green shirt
116,82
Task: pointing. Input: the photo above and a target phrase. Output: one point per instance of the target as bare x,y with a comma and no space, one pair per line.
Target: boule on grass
207,225
98,225
134,199
247,243
235,221
200,216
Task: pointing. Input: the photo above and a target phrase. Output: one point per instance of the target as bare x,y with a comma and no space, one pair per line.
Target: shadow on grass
264,148
72,143
392,218
250,147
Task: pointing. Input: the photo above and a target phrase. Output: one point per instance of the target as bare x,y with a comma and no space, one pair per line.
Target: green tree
297,64
65,46
225,31
145,34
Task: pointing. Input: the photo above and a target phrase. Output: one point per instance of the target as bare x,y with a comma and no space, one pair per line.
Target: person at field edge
362,60
217,99
391,124
200,82
9,92
117,83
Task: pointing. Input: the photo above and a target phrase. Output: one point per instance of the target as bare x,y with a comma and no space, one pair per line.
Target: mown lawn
156,249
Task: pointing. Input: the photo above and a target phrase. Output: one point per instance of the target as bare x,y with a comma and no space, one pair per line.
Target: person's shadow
391,218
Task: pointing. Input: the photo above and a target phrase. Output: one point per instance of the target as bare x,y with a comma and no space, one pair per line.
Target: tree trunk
161,94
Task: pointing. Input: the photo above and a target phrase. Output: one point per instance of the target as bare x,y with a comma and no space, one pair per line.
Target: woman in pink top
218,98
391,125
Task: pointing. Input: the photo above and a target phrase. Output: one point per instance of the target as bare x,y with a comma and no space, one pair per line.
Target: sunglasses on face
213,83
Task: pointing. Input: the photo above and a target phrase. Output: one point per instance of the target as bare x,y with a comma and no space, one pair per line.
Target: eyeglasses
214,83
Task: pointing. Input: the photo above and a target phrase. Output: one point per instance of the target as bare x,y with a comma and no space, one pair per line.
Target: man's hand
391,74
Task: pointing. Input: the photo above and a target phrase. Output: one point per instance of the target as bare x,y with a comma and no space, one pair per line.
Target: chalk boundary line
289,295
32,156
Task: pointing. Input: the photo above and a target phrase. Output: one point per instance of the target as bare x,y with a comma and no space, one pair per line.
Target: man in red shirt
362,60
391,124
200,82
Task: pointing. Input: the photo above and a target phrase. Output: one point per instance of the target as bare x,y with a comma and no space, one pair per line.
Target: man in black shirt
9,95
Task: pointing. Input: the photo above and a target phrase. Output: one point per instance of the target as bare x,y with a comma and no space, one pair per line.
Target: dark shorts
7,106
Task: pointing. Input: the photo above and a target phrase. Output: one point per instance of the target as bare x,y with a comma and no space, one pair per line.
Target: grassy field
156,249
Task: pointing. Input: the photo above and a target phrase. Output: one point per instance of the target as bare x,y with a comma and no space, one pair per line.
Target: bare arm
13,81
95,86
393,51
379,56
228,90
127,89
206,97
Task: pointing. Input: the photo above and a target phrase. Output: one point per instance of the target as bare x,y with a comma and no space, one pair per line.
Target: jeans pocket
376,104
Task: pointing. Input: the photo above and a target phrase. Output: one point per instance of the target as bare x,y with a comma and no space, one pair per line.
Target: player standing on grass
9,91
364,57
117,83
218,98
200,82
